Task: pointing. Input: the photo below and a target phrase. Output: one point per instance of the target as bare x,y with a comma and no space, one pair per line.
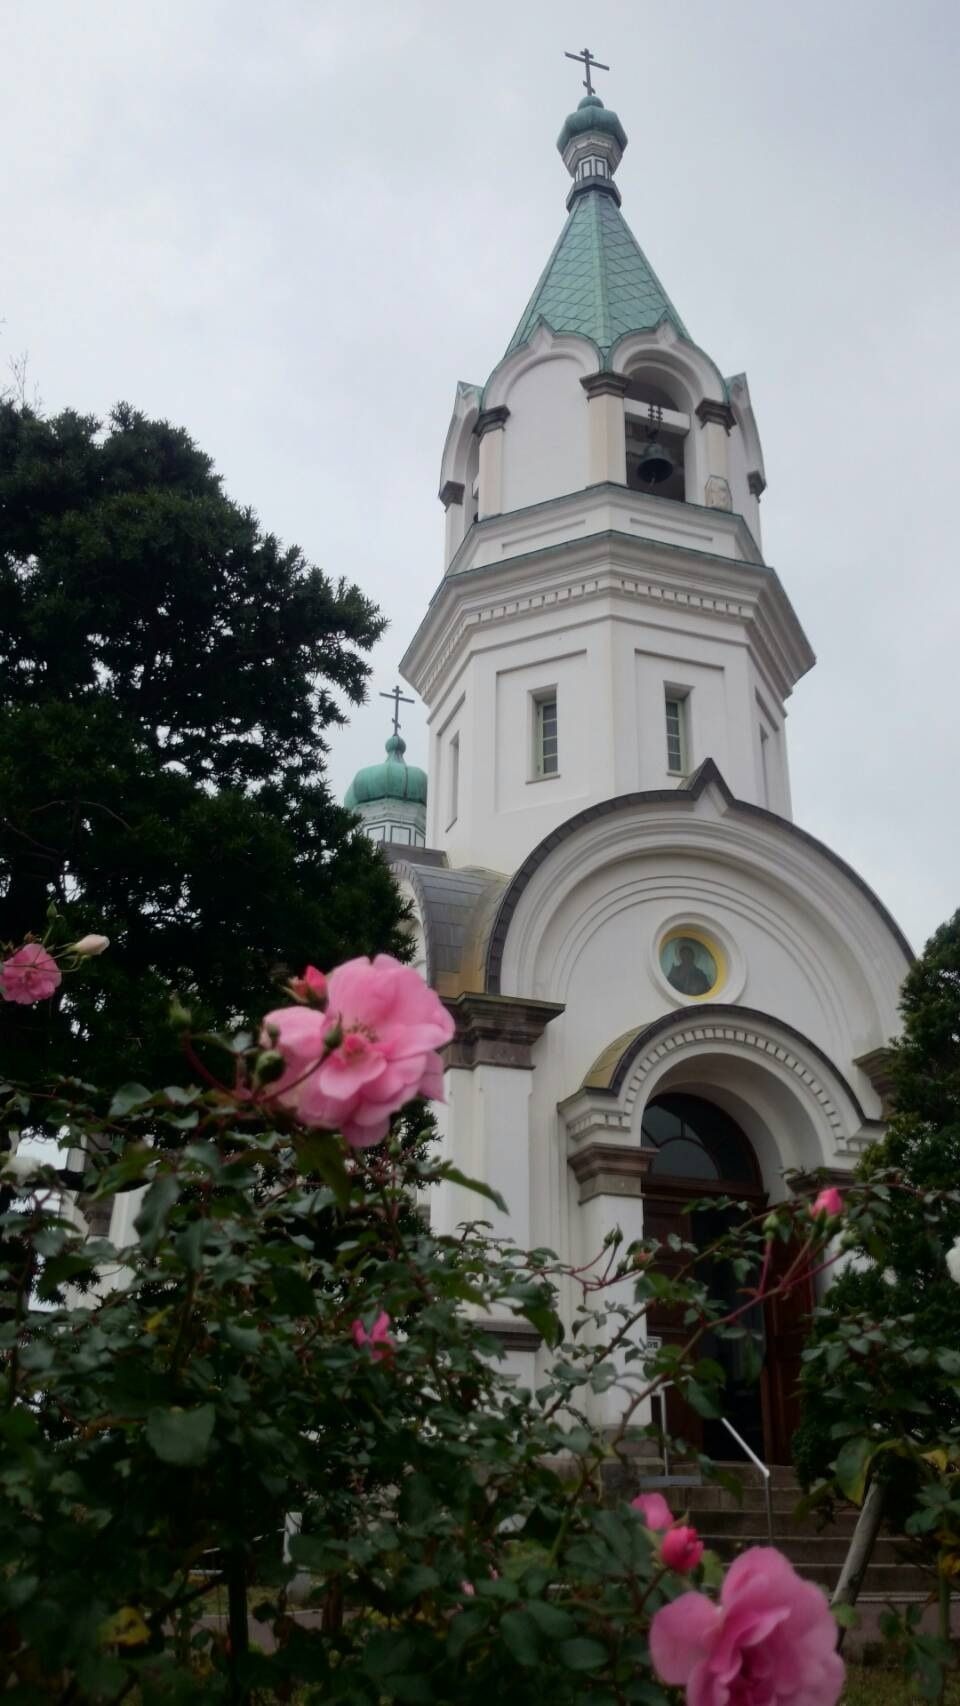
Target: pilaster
489,430
608,441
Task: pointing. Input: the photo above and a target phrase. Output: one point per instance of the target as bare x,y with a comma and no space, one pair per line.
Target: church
665,990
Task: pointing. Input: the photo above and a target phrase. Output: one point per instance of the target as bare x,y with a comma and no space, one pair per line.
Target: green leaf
845,1615
551,1620
387,1654
700,1399
582,1654
156,1205
520,1637
181,1436
462,1629
128,1097
851,1467
322,1153
477,1185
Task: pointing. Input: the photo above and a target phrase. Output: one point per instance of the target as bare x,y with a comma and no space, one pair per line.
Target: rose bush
272,1343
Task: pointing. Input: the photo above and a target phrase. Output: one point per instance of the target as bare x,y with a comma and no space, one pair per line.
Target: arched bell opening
704,1178
656,428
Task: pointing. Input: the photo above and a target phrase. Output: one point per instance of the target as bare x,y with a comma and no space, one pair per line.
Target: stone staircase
729,1525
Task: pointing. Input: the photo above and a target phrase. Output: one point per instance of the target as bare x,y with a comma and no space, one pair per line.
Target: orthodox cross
586,59
398,700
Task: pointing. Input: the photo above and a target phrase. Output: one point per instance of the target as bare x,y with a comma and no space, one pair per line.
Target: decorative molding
876,1065
707,775
756,483
610,1170
496,1030
605,385
515,1335
717,493
489,419
744,1033
721,413
808,1184
451,492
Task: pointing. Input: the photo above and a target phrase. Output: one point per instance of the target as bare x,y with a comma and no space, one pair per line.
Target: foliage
171,1397
170,676
884,1360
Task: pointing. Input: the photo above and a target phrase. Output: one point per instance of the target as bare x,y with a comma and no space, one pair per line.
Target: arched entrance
699,1153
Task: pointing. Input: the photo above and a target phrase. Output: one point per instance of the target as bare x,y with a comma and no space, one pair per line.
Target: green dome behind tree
391,797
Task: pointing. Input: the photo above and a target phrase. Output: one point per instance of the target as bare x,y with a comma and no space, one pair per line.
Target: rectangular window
675,705
454,794
545,751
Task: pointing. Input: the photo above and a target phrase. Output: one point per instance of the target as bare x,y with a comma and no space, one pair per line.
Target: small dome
392,779
591,114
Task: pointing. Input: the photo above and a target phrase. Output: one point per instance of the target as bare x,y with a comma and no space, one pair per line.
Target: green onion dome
591,114
393,779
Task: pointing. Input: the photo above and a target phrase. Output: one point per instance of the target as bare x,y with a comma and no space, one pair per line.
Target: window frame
680,697
543,698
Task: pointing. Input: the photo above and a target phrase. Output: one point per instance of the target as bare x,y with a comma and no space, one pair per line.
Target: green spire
598,281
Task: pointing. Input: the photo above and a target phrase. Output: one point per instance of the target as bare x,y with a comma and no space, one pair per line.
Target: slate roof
598,281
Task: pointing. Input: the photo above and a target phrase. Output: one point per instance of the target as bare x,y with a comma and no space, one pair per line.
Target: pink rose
681,1549
378,1339
373,1049
311,987
654,1509
771,1641
29,975
829,1202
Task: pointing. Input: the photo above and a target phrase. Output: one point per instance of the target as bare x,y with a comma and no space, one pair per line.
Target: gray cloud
292,227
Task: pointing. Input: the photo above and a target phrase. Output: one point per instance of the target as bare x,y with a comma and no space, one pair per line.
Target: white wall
546,441
610,667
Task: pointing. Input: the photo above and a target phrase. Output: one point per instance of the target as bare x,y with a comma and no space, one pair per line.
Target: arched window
652,411
694,1139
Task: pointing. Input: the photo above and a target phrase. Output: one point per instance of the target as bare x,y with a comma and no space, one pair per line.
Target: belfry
666,992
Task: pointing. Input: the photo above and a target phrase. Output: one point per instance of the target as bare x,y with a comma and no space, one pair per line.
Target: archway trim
707,775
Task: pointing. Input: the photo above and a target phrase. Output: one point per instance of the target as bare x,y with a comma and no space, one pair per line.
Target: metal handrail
765,1472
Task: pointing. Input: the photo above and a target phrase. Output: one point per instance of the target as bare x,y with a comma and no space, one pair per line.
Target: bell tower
606,621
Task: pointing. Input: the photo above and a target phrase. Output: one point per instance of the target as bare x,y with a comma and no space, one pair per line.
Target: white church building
664,989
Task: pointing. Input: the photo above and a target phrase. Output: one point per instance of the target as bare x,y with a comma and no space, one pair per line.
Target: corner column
610,1169
608,433
486,1132
716,419
489,430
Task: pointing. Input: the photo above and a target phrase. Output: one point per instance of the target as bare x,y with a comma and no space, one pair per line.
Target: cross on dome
398,700
587,59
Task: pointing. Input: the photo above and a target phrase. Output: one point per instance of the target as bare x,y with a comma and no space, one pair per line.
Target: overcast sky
292,225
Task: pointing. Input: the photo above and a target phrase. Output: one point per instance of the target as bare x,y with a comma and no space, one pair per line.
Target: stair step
803,1549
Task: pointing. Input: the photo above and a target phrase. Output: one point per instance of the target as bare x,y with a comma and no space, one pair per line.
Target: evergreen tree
903,1278
170,673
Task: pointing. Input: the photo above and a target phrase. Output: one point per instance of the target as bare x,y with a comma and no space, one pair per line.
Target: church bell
655,465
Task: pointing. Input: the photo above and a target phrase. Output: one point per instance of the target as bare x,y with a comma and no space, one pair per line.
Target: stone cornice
489,419
603,566
708,410
605,385
808,1184
610,1170
877,1066
515,1335
496,1030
